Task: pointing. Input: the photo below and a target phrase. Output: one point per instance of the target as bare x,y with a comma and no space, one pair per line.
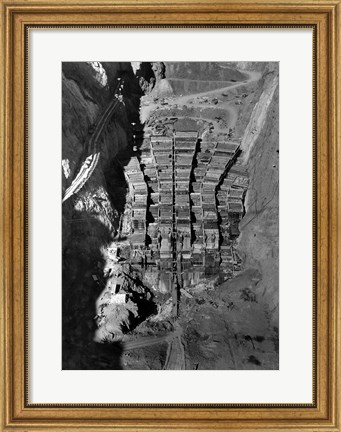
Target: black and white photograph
170,215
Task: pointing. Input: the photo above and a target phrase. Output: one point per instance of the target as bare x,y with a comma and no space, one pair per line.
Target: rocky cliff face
91,216
84,99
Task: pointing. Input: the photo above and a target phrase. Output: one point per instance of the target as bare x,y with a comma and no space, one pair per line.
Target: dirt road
146,341
175,355
253,76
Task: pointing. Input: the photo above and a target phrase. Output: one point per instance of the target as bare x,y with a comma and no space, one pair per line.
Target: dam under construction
186,198
170,215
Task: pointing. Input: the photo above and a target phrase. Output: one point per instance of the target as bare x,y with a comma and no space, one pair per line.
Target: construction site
170,216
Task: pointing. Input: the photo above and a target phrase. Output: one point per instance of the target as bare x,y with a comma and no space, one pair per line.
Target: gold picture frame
324,414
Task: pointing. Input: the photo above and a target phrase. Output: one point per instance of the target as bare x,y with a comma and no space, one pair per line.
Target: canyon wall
91,216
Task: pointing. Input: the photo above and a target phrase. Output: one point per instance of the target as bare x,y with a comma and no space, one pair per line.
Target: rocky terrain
116,315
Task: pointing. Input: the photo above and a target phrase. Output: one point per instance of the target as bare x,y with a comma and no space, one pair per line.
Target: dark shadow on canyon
84,234
82,260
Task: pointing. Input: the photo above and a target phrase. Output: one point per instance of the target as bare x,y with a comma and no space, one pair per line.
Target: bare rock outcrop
162,87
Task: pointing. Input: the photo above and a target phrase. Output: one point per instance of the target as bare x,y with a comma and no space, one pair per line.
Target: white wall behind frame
293,382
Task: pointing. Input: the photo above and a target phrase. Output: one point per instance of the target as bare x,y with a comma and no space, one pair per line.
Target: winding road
92,151
175,359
